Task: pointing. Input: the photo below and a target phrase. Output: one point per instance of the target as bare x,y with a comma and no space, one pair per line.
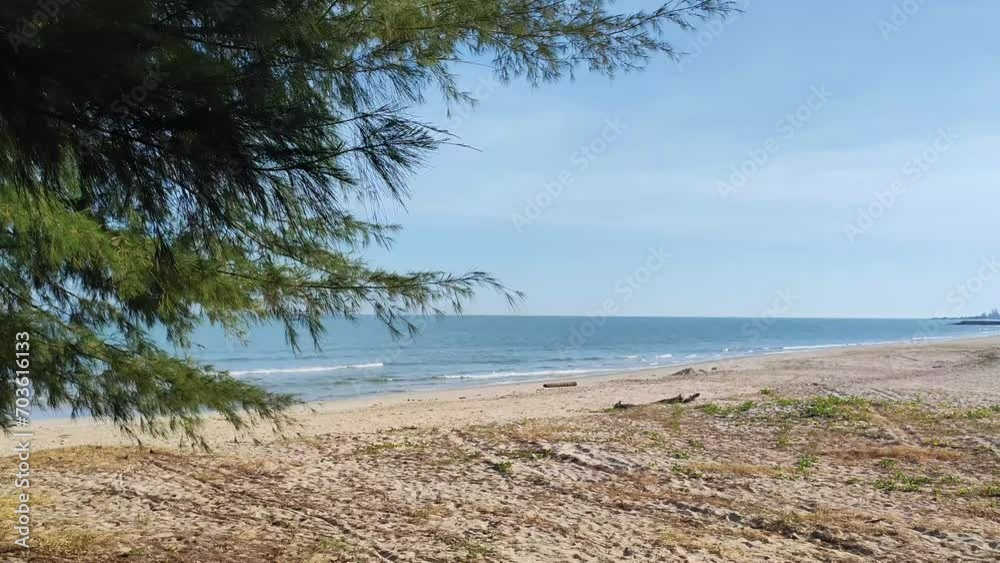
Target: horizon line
584,316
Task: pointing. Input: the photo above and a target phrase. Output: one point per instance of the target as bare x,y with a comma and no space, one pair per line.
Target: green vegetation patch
718,410
899,481
504,467
832,406
806,462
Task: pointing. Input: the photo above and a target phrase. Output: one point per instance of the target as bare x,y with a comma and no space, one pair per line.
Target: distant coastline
991,318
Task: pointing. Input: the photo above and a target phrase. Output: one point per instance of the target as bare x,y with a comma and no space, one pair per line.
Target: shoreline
490,402
587,374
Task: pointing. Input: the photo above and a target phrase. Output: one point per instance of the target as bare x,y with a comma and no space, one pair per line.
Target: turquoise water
362,359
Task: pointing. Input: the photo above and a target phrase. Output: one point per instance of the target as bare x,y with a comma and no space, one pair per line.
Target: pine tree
165,163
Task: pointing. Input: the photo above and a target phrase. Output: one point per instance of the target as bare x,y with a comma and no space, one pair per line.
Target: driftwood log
671,401
559,384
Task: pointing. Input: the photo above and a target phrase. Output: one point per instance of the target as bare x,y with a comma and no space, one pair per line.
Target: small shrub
530,455
885,485
655,437
713,409
375,449
502,467
991,491
676,413
686,471
806,462
980,413
784,436
899,481
477,552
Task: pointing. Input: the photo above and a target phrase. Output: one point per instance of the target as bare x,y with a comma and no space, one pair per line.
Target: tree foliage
169,162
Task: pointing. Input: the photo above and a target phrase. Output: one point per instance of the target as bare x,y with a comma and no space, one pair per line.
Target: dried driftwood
671,401
559,384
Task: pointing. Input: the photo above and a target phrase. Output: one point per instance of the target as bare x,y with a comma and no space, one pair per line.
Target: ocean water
362,359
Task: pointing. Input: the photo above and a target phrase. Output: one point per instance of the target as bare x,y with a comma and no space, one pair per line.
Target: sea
362,358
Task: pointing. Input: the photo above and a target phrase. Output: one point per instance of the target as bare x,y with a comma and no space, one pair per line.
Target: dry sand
863,454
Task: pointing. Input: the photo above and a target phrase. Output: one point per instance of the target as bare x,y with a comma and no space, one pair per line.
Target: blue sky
910,108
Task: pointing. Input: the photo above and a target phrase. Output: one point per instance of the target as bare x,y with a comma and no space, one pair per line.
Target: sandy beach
886,453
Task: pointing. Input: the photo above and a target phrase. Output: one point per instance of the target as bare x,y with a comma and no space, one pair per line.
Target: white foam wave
307,369
507,374
814,346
